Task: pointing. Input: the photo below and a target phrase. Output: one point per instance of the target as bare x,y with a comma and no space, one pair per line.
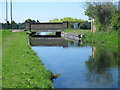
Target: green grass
21,67
76,31
51,34
109,38
0,59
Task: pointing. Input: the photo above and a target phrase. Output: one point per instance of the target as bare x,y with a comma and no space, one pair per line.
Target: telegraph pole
6,11
11,12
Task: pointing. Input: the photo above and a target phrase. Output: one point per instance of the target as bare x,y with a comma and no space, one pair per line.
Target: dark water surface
79,66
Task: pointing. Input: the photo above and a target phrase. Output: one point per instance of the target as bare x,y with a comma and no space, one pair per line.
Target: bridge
57,27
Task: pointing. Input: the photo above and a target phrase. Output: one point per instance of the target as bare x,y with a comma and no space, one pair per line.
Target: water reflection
102,67
48,41
80,66
53,41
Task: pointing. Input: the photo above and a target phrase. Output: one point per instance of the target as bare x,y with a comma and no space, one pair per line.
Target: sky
44,11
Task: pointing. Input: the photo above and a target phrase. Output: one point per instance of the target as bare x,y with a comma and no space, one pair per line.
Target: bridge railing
47,27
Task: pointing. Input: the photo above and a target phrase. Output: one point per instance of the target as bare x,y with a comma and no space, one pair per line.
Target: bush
115,21
85,25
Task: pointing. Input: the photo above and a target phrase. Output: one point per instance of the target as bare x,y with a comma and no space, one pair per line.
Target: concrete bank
70,36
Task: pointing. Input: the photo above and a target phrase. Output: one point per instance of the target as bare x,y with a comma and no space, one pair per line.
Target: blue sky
44,11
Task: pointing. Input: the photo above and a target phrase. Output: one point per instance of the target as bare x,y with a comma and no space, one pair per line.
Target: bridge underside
46,30
57,34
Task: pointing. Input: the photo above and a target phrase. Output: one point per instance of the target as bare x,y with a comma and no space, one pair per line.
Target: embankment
109,38
21,67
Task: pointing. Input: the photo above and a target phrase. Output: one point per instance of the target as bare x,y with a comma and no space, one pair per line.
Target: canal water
79,65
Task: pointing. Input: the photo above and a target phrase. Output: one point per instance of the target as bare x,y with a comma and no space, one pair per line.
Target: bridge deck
46,27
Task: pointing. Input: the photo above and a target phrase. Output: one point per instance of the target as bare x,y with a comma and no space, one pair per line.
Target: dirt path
17,30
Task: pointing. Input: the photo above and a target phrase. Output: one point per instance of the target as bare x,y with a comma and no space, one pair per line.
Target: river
79,65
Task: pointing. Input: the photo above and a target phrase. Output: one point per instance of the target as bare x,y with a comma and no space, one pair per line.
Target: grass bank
109,38
0,59
76,31
21,67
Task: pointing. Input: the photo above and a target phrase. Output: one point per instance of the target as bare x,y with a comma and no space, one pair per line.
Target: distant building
75,25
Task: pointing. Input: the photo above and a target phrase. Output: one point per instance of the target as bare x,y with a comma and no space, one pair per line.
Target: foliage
14,25
29,20
21,67
85,25
103,57
102,13
70,19
54,20
82,23
109,38
21,25
115,21
6,25
38,21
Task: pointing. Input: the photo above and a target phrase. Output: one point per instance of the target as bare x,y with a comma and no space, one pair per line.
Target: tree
115,21
7,25
14,25
54,20
71,22
38,21
70,19
102,13
84,25
29,20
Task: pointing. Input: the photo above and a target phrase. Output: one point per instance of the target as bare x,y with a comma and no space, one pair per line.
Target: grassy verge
21,67
0,59
76,31
109,38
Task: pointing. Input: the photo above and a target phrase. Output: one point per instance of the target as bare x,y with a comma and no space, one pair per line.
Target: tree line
15,25
82,24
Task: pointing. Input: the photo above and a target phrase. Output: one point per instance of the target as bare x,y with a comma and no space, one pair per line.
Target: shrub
115,21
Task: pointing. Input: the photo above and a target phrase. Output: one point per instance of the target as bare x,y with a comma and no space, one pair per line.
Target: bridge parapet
47,27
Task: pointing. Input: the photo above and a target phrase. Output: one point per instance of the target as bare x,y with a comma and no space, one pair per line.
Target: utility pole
11,12
6,11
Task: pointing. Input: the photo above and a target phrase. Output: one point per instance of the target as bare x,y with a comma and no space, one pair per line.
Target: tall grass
21,67
109,38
